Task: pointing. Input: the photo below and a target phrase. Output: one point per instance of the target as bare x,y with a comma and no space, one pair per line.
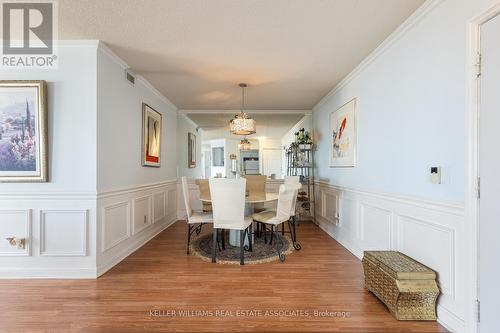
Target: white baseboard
48,273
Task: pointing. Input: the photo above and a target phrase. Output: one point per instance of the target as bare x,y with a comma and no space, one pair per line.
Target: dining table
250,201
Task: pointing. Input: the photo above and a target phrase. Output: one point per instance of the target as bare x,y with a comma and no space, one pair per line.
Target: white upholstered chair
292,180
228,207
192,217
286,198
294,183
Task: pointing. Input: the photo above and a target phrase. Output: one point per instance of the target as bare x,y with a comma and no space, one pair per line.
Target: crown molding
189,120
102,47
397,34
234,111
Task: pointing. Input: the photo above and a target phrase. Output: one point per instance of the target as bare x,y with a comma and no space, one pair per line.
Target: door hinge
478,187
478,65
478,310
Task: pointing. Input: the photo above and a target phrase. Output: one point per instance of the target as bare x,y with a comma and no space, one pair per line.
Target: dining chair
292,180
228,206
286,198
192,217
204,193
296,185
256,186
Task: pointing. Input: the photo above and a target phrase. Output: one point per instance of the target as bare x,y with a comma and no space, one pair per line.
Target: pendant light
245,144
242,124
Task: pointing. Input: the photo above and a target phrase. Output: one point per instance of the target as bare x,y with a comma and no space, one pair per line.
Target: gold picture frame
23,131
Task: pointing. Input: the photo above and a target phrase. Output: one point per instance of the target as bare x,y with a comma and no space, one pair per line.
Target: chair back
204,193
256,185
228,202
185,193
287,197
293,182
292,179
204,188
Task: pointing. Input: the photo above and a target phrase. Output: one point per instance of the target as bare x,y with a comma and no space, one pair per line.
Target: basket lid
400,266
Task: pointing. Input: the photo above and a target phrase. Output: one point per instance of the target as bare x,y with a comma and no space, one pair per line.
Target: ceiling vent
130,78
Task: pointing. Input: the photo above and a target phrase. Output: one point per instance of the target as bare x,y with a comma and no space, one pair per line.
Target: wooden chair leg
242,244
214,245
283,229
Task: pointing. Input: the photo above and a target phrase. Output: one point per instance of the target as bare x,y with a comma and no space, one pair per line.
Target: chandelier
245,144
242,124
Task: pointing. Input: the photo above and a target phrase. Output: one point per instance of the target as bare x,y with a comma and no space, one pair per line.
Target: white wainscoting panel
121,218
172,201
428,231
63,233
375,227
142,213
159,206
15,223
115,226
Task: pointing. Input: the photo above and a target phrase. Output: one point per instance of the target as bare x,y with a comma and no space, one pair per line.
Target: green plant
303,137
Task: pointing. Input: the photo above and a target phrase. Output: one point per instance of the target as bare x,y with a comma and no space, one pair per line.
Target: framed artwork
151,136
343,136
191,150
23,131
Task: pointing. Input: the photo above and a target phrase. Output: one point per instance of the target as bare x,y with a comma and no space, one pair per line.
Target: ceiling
269,126
290,52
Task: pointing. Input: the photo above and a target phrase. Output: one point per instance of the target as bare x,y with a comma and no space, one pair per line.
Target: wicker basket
407,287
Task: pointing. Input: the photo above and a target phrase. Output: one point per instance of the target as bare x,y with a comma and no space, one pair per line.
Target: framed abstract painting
191,150
343,136
151,136
23,131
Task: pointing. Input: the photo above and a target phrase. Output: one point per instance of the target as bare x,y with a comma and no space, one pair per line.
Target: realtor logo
28,33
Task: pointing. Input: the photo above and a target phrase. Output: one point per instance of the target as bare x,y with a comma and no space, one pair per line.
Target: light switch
436,175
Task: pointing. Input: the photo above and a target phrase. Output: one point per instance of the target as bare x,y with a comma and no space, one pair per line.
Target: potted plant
303,139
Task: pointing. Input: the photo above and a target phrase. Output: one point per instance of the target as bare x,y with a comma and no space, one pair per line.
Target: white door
207,159
489,171
271,162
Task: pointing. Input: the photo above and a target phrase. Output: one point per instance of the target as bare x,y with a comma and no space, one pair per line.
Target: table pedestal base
234,235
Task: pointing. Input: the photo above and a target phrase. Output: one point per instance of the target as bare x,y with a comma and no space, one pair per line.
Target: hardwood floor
143,293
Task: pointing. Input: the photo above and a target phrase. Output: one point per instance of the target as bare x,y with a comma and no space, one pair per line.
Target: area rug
262,252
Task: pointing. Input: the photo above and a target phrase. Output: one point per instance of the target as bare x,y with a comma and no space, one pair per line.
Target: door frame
471,226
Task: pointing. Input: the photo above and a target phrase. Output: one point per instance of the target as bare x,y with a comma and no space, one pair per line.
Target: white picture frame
343,135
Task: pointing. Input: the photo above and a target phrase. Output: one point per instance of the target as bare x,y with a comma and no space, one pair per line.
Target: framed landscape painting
343,136
23,131
191,150
151,136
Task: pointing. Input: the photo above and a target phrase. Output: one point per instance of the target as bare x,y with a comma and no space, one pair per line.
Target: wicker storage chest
407,287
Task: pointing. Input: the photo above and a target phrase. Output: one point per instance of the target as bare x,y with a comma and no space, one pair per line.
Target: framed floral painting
23,131
191,150
151,136
343,136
